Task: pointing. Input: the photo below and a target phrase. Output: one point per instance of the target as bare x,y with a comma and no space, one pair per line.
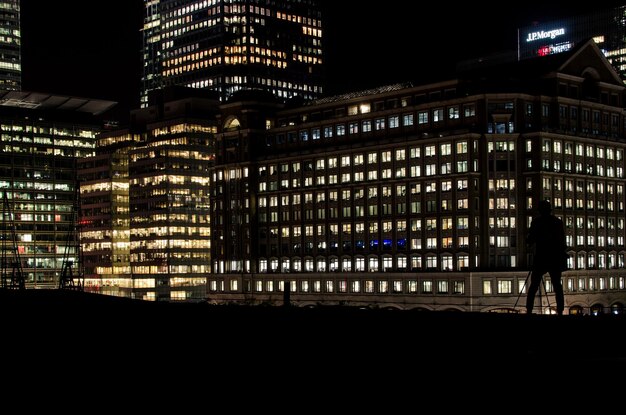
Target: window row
372,192
592,222
445,262
578,149
600,170
584,187
430,170
354,286
420,118
498,286
370,158
588,203
372,210
375,245
399,225
586,115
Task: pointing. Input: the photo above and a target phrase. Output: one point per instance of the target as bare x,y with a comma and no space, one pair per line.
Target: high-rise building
41,137
421,196
104,212
606,26
10,46
232,45
145,222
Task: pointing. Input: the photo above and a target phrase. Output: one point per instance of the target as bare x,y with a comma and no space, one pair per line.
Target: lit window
407,120
487,287
504,286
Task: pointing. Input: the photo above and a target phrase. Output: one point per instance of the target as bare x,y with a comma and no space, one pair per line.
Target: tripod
543,283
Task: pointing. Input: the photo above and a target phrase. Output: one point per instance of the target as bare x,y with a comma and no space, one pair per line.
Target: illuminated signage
552,49
545,34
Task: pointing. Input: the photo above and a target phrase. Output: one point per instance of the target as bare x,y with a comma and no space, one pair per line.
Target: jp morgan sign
545,34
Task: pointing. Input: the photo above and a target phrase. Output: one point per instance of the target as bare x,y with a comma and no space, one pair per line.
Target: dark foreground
287,346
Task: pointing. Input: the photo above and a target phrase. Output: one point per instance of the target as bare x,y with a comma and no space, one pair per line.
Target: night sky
94,50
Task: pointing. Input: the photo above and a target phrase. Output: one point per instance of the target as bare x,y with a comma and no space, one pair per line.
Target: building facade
105,214
42,136
146,204
606,26
421,196
10,46
230,45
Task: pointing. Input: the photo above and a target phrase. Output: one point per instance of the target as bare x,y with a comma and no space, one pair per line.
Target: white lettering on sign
545,34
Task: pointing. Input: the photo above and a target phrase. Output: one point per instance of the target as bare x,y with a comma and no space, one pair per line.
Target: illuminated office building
606,27
145,203
10,46
421,196
230,45
42,136
151,54
105,215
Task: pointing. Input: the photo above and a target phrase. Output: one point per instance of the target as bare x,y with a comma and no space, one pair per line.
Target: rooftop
44,101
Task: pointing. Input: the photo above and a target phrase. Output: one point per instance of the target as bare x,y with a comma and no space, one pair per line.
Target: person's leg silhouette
535,281
557,286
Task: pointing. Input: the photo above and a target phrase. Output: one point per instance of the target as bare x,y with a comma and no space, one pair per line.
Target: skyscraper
42,136
146,204
10,53
232,45
605,26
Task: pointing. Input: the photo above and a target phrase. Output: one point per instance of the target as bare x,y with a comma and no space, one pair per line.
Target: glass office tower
10,49
105,218
41,138
232,45
146,206
605,26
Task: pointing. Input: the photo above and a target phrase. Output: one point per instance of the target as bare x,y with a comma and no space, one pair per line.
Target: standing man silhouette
548,235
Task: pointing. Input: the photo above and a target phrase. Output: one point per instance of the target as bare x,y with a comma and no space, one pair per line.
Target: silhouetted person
548,235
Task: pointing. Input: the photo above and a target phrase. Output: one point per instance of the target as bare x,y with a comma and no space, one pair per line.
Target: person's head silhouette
545,208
